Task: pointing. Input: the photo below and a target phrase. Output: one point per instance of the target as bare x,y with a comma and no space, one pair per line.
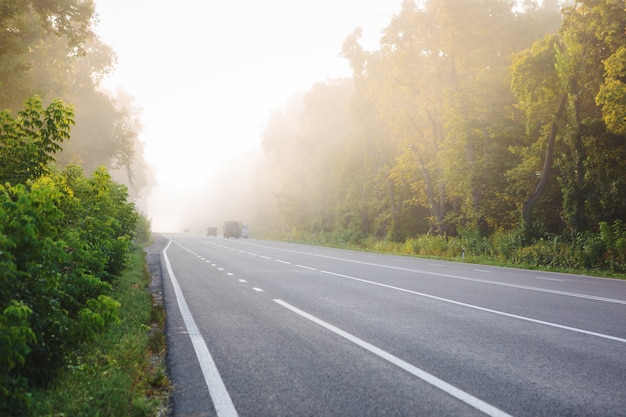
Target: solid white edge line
217,390
421,374
475,307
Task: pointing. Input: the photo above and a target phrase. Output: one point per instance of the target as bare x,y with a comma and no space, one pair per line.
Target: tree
52,51
28,144
612,95
24,24
440,85
592,32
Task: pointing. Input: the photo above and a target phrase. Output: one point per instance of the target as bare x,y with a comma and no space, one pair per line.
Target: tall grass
122,372
602,253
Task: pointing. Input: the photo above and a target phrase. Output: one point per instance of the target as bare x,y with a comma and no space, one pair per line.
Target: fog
207,76
231,194
210,76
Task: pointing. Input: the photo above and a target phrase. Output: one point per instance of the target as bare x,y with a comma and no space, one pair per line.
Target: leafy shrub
505,243
474,243
64,239
614,239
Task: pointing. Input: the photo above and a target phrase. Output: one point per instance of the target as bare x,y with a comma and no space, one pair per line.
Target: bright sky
208,73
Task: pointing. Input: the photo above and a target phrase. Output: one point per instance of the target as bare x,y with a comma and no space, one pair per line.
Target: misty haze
307,190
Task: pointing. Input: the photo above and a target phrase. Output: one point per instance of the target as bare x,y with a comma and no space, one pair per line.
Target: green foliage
463,119
16,337
28,144
614,241
115,374
48,48
143,234
64,239
612,95
25,28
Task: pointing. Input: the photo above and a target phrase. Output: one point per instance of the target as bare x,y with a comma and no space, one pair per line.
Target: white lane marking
550,279
220,269
475,307
439,274
307,267
421,374
264,257
458,277
283,262
484,271
257,289
230,274
217,390
242,280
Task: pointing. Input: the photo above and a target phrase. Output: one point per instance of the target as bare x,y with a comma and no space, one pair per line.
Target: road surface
262,328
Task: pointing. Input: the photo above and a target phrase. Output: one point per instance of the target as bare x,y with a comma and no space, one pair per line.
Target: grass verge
544,255
122,372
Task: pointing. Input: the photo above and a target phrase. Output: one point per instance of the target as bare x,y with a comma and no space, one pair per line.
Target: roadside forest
66,227
485,126
49,48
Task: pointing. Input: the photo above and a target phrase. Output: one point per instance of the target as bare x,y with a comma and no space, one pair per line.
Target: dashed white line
264,257
307,267
230,274
283,262
257,289
439,274
242,280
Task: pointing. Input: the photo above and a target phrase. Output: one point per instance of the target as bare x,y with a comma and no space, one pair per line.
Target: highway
264,328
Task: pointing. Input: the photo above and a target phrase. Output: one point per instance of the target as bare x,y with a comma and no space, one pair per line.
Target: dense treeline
64,239
49,48
64,236
475,120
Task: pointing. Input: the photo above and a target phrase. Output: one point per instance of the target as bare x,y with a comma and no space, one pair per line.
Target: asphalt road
262,328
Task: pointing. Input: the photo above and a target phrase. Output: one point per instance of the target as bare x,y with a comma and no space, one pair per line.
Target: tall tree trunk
436,200
527,206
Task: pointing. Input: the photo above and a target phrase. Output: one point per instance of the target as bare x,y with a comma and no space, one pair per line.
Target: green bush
64,239
506,243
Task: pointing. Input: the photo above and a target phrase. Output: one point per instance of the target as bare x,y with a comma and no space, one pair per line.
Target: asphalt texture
297,330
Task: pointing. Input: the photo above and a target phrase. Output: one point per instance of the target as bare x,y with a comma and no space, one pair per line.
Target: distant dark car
211,231
232,229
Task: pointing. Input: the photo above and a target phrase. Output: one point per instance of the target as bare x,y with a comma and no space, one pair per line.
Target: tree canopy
49,48
472,116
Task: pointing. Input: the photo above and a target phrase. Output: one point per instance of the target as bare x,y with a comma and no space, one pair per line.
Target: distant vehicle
244,230
232,229
211,231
